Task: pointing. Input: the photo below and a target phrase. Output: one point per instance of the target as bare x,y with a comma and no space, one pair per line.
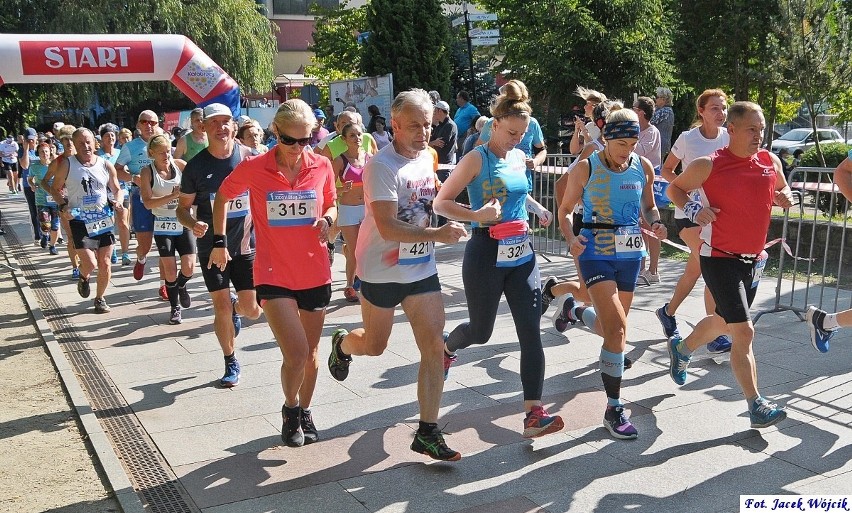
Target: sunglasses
290,141
149,122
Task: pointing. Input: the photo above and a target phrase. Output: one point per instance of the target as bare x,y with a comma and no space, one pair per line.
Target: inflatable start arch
75,58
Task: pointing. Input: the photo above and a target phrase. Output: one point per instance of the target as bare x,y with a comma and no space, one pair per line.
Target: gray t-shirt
389,176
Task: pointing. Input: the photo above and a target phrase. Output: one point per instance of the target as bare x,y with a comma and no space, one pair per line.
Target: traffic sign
486,16
484,41
458,21
478,32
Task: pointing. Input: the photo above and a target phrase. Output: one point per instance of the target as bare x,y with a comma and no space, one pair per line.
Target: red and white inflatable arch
75,58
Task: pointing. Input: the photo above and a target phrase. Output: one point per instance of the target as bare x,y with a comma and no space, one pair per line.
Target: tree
232,32
841,105
819,65
337,53
411,39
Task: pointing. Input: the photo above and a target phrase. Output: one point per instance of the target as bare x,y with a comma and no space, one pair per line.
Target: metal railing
815,231
549,241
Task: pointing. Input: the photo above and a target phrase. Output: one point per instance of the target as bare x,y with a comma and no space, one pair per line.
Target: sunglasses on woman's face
290,141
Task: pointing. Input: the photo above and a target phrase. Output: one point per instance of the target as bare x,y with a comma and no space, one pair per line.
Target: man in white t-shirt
9,158
649,147
396,263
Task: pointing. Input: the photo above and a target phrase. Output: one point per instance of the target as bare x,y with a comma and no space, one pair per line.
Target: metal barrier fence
815,231
549,241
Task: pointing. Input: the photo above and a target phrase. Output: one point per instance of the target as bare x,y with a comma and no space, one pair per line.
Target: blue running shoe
722,344
75,273
819,335
539,423
618,425
356,284
668,321
238,321
53,250
114,257
562,319
679,362
232,374
764,414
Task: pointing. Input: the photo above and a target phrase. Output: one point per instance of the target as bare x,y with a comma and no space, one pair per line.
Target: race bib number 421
411,253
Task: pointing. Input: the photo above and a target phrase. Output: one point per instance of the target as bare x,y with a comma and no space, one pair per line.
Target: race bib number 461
629,242
291,208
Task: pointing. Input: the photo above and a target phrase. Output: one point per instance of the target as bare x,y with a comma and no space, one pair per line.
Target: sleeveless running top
192,147
87,186
614,199
504,179
38,171
351,173
743,189
163,187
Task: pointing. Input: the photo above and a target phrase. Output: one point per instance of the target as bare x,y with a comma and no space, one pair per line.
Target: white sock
830,322
142,260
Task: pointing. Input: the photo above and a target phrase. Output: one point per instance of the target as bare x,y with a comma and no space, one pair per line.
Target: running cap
242,120
58,125
621,130
32,135
217,109
319,114
444,106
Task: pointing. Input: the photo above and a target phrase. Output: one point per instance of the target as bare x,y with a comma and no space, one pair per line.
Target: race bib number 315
291,208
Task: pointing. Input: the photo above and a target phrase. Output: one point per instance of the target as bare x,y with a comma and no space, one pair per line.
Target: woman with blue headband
614,186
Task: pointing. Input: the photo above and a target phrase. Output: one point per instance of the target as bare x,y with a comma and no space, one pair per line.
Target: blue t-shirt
464,117
38,172
25,173
532,137
134,155
115,153
504,179
615,199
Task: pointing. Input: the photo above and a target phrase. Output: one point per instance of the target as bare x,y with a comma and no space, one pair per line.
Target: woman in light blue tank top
615,188
499,258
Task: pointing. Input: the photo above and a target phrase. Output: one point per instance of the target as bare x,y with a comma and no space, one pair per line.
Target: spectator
472,136
444,134
664,118
264,103
585,130
465,115
319,131
382,137
784,157
797,158
435,96
374,112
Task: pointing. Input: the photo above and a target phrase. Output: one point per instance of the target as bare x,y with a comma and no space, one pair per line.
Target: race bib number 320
514,251
291,208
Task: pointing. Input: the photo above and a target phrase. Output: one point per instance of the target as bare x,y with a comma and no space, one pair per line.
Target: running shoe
434,446
291,427
650,277
308,428
547,293
356,284
678,362
164,294
232,374
125,259
448,359
53,251
138,270
668,321
114,257
764,414
539,423
60,240
819,335
562,319
176,317
101,306
43,241
183,295
628,363
235,317
350,294
338,362
721,344
619,426
330,246
75,273
83,287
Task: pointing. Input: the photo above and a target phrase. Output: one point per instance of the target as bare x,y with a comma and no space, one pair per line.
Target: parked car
803,138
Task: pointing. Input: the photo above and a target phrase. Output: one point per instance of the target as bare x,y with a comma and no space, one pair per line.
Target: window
300,7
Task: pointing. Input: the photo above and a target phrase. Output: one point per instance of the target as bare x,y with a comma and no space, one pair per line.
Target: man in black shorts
199,183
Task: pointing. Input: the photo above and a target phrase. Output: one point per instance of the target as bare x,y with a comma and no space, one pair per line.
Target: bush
834,154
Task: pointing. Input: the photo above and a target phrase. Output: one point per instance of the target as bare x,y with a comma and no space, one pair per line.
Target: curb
109,462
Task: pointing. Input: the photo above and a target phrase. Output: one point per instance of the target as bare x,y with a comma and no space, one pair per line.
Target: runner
499,258
649,147
396,262
108,151
68,151
28,155
47,208
200,181
734,222
615,186
824,325
160,191
195,140
88,212
9,162
131,159
349,169
708,136
291,191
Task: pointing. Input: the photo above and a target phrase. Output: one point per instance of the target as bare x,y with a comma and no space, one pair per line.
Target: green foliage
841,105
834,154
411,39
232,32
786,110
337,54
483,76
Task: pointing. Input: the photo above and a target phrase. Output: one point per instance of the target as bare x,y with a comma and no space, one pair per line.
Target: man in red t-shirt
734,223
